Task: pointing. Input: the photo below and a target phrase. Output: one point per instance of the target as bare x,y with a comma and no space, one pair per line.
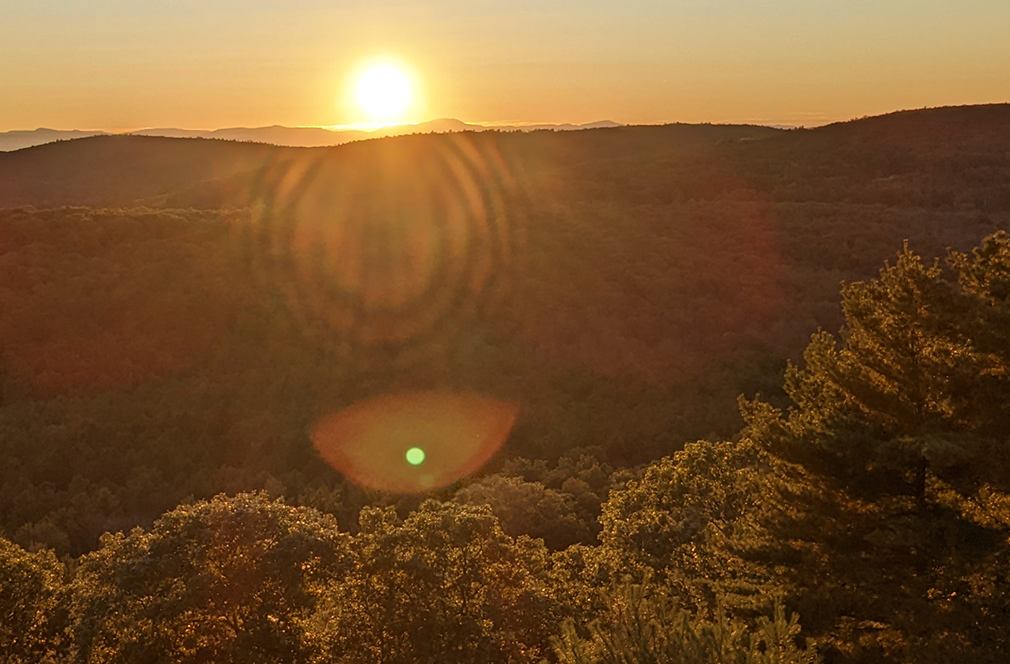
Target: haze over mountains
287,136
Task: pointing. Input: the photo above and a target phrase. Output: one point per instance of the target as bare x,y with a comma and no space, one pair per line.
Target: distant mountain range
896,157
303,137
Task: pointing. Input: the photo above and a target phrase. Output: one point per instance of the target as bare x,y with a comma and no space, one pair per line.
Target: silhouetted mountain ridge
118,171
895,157
280,135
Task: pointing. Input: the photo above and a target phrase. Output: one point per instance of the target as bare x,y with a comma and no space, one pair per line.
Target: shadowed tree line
872,507
144,361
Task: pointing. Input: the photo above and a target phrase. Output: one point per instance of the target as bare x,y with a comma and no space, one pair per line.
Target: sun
384,93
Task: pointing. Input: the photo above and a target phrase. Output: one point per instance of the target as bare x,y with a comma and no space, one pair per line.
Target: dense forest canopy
185,326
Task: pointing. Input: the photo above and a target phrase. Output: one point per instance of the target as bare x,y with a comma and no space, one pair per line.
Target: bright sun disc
383,92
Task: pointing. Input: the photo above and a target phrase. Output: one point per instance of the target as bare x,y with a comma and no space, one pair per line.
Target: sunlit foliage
446,584
32,605
644,628
229,580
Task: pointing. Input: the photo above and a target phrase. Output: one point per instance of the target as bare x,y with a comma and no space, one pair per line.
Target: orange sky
118,64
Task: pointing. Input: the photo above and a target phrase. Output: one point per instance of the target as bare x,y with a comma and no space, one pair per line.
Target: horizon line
813,120
489,124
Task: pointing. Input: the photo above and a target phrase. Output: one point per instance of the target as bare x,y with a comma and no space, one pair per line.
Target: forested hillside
186,318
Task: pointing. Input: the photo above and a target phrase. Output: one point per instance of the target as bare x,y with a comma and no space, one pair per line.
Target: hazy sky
124,64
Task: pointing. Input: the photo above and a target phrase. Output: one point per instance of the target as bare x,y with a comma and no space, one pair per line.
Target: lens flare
415,442
387,256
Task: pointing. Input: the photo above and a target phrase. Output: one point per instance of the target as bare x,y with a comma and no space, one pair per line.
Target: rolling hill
657,249
122,170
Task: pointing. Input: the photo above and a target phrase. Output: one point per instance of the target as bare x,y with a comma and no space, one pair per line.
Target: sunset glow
384,93
117,65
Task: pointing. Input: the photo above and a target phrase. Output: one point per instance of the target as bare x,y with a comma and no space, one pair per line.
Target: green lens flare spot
415,456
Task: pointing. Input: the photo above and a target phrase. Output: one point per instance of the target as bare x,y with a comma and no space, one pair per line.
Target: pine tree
882,400
984,279
902,422
644,627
